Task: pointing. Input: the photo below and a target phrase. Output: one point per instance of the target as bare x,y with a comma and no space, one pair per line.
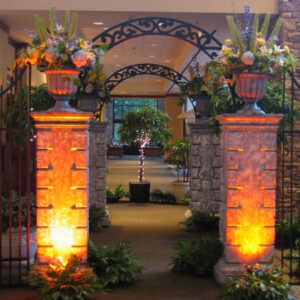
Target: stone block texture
248,189
204,168
62,184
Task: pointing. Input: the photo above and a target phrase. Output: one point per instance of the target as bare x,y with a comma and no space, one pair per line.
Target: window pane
116,128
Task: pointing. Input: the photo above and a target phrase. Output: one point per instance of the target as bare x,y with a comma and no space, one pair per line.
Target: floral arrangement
252,50
59,47
259,283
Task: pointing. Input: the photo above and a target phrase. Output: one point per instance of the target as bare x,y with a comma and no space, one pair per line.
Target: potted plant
60,54
143,126
18,212
195,91
249,60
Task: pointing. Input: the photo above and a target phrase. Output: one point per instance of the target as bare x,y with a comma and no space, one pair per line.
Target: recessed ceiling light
167,60
118,65
161,23
105,28
151,56
153,45
98,23
115,55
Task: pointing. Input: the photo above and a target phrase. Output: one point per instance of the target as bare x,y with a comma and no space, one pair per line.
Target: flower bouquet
60,54
249,59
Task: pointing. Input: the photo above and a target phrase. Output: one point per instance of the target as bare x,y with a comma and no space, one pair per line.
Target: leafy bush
287,231
15,211
96,215
158,196
114,267
186,198
201,222
113,195
258,283
64,281
197,257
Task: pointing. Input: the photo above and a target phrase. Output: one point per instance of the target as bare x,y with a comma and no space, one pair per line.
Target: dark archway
188,32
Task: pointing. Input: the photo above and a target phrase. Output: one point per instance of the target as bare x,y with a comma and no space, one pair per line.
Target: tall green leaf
235,33
276,30
265,26
255,31
73,28
53,21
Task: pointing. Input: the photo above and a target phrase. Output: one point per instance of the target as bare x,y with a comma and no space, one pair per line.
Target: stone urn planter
61,87
88,103
251,87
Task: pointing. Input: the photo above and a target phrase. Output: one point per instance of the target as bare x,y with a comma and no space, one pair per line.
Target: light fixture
98,23
167,61
118,65
151,56
115,55
153,45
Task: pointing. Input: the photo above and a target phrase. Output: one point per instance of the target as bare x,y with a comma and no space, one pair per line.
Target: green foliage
158,196
202,222
39,100
15,211
186,198
113,195
287,232
96,215
145,123
259,283
178,153
197,257
64,281
114,267
222,102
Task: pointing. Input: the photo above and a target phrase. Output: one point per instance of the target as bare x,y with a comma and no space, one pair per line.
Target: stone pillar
62,184
108,118
97,164
204,167
248,188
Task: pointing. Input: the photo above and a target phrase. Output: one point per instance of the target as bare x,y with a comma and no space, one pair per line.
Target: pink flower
80,58
248,58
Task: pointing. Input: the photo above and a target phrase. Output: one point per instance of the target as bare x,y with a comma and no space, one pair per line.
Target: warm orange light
62,185
60,92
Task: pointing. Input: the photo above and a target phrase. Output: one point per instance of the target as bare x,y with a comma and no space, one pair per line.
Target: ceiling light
115,55
118,65
151,56
167,61
161,23
153,45
98,23
105,28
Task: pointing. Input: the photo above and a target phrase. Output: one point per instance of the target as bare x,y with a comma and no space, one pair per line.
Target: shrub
201,222
287,232
96,215
197,257
113,195
69,280
158,196
186,198
114,267
258,283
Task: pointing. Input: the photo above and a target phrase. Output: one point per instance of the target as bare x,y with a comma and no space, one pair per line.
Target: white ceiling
167,51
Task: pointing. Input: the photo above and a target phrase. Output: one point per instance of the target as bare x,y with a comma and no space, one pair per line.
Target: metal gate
17,199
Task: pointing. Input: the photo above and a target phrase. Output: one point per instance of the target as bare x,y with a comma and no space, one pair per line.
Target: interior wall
4,56
174,110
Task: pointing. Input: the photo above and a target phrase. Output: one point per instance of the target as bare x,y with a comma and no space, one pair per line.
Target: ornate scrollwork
161,26
144,69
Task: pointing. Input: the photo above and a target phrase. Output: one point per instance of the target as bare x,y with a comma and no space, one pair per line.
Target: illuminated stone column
62,184
248,188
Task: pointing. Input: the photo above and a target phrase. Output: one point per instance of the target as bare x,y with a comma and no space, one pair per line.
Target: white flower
248,58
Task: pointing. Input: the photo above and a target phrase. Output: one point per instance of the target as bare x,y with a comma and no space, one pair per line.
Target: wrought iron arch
146,69
188,32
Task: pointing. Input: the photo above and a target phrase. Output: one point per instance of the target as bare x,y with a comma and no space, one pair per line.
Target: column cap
53,117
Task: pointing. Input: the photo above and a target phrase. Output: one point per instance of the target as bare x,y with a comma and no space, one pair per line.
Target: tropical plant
287,231
259,283
158,196
253,50
201,222
113,195
96,215
68,280
17,211
177,154
197,257
59,47
145,125
114,267
186,198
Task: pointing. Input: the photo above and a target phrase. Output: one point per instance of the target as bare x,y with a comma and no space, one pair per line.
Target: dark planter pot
251,87
88,103
140,192
152,151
